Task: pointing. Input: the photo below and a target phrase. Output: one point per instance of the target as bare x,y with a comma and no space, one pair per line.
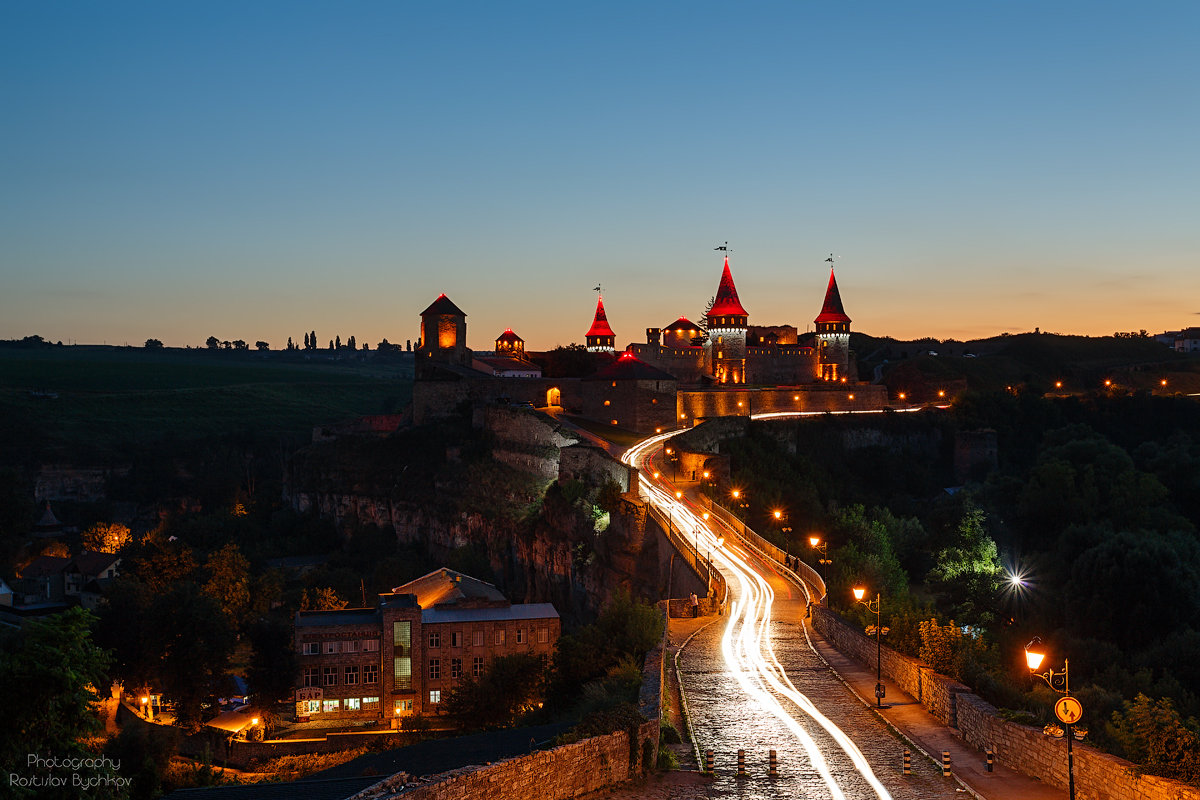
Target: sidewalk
907,716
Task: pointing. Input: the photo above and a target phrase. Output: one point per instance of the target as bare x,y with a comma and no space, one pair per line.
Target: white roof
503,614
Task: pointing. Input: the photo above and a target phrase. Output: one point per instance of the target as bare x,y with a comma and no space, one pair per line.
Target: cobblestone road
725,718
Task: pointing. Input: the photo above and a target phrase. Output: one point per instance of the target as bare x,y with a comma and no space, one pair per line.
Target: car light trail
746,645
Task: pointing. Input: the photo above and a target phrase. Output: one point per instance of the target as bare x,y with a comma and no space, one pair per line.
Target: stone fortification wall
706,404
1098,776
526,440
595,467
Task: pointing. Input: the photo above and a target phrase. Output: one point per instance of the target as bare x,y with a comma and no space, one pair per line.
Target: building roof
91,563
489,613
832,310
629,367
447,586
43,566
600,325
682,324
48,520
345,616
443,305
726,302
509,336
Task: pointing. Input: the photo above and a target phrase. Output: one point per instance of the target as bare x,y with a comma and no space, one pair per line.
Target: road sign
1068,710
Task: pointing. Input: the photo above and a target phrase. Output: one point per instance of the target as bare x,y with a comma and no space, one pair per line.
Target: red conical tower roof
832,310
600,323
726,302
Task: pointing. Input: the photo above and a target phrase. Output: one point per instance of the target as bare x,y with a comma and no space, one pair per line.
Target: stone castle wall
1098,775
696,405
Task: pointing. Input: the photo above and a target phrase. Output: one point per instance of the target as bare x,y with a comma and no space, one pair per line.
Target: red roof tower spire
833,334
726,303
831,310
600,336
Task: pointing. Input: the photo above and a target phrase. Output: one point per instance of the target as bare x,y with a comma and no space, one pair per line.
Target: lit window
402,661
402,672
370,704
312,706
331,706
353,704
312,648
614,422
435,696
500,638
543,636
608,402
404,706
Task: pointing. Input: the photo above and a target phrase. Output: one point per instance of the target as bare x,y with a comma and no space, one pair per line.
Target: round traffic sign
1068,710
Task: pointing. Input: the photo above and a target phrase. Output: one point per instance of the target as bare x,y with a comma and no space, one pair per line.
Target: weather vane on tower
724,247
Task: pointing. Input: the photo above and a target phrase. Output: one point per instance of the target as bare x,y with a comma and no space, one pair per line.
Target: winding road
755,681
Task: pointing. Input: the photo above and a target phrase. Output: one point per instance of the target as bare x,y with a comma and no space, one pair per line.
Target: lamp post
875,606
822,549
1068,709
720,542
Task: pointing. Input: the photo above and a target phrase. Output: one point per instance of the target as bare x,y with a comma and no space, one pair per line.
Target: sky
258,170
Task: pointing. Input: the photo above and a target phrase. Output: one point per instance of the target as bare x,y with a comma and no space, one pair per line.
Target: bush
667,734
666,759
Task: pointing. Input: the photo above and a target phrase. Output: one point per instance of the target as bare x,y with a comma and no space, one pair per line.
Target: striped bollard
945,763
907,762
991,759
708,761
741,773
773,764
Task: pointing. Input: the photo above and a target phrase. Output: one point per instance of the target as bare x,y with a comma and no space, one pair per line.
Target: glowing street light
823,549
874,606
1058,384
1068,709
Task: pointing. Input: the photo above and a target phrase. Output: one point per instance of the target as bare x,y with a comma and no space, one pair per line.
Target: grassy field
112,400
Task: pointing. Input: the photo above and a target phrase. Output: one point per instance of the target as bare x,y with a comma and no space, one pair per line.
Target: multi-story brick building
402,656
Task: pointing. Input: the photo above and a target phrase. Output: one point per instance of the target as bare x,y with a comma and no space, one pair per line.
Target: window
329,676
331,706
456,668
477,666
350,675
608,402
312,676
402,661
542,635
332,647
370,645
500,638
435,669
435,639
456,639
403,706
312,648
477,637
370,704
312,706
520,636
435,695
370,673
353,704
350,646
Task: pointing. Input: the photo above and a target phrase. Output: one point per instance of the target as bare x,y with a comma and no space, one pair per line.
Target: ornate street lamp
1068,709
875,606
822,548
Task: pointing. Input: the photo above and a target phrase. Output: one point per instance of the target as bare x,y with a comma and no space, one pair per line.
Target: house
1188,341
398,658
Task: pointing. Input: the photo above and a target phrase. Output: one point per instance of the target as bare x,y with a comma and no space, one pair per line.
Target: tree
160,562
154,344
273,664
49,675
197,641
323,599
106,537
338,342
509,686
312,340
968,573
331,344
350,343
1153,734
306,341
212,343
228,582
263,346
240,344
290,346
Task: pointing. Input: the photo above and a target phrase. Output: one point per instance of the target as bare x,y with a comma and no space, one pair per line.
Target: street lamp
720,541
823,549
1068,709
875,606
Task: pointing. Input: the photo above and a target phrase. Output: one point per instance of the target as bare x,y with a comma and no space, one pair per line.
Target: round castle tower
833,335
727,323
600,337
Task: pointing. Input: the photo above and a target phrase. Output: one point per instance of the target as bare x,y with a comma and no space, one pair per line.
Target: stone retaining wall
1098,776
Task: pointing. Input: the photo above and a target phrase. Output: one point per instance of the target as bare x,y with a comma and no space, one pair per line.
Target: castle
683,374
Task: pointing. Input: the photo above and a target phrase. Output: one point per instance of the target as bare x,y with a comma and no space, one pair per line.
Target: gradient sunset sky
256,170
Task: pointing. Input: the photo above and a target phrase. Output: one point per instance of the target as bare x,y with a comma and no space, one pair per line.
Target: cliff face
546,542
